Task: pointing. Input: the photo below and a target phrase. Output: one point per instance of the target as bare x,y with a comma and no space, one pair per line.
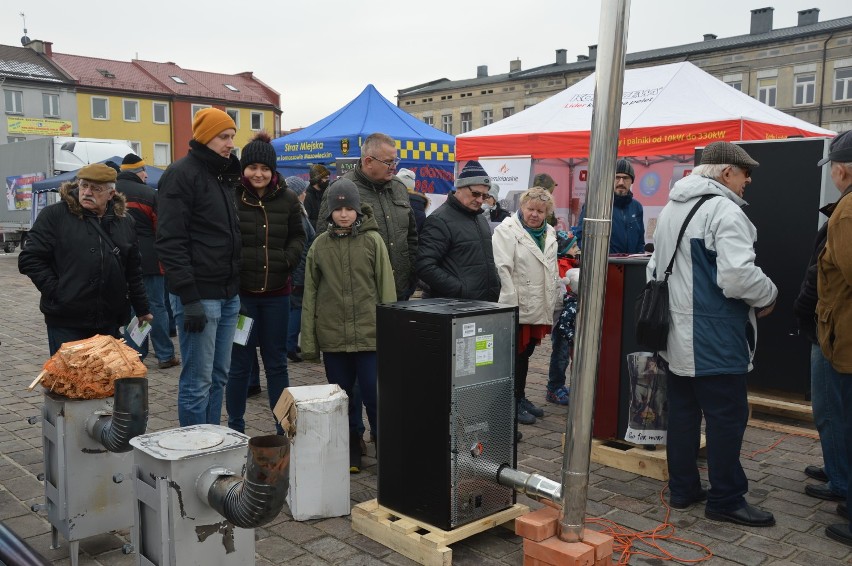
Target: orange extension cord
627,542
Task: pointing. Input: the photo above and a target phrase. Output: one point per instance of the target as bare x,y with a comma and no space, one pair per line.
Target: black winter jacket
804,307
419,205
313,200
198,237
82,284
142,206
455,257
272,235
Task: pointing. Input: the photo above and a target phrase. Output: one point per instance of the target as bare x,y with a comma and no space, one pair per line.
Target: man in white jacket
714,290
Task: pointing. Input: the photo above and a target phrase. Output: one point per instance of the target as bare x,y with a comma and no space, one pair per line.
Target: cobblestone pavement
773,462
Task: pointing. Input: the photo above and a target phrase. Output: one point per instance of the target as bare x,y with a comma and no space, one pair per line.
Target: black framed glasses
477,194
388,164
85,185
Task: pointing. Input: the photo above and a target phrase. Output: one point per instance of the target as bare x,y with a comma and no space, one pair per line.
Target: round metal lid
190,440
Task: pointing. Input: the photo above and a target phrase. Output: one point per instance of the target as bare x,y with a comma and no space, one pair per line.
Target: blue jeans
845,383
58,335
828,418
159,335
206,359
723,400
294,327
269,333
344,369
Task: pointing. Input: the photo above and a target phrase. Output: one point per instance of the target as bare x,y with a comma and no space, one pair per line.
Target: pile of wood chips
87,369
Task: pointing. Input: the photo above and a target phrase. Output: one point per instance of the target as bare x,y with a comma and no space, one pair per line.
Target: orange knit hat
209,123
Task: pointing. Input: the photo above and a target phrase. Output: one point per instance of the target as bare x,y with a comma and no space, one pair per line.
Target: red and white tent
666,110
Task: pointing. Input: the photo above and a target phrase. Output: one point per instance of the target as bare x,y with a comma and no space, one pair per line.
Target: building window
136,147
14,101
15,139
162,154
738,85
161,113
196,108
231,87
487,117
235,115
466,122
766,91
177,79
447,123
508,112
429,120
51,105
257,120
100,108
805,89
842,85
131,110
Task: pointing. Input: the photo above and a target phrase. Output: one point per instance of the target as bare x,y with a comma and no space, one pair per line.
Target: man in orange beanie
198,243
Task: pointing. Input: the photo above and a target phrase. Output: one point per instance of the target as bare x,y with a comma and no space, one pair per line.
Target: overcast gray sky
321,54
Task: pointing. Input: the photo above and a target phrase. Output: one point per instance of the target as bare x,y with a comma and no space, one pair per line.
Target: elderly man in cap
198,242
83,257
142,206
834,304
627,232
455,257
716,294
378,186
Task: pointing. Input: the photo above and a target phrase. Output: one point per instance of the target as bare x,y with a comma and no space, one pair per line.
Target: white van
69,154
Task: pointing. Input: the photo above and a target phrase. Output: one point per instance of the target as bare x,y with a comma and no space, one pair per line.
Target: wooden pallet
631,458
418,541
774,405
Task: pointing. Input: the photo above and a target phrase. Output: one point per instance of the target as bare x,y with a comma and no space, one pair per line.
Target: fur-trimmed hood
68,192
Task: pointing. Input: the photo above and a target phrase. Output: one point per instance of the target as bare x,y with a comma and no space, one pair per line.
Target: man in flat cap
834,304
82,256
716,293
198,243
142,206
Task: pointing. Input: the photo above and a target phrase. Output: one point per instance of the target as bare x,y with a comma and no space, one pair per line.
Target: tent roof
666,109
368,113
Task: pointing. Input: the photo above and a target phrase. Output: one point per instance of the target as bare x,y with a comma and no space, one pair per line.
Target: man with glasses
82,256
627,229
455,257
716,295
375,177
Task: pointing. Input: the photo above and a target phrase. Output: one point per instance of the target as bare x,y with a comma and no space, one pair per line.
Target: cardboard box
319,452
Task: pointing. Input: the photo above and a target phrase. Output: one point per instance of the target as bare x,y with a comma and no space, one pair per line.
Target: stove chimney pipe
129,417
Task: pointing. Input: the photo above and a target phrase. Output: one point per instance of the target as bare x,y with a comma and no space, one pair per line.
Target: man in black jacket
319,176
198,243
142,206
82,256
455,257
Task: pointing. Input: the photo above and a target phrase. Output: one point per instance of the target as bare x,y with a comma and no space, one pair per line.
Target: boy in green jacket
347,273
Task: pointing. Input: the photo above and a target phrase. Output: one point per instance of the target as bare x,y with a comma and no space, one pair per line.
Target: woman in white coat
525,254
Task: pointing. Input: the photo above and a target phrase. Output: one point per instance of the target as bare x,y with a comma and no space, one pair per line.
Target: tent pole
606,118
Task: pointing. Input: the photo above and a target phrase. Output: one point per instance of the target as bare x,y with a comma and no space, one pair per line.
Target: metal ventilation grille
482,435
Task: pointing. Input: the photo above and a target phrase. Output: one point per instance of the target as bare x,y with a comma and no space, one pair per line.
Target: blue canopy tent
430,153
154,174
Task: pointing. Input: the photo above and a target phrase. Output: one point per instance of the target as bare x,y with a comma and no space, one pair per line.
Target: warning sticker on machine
468,329
466,356
485,350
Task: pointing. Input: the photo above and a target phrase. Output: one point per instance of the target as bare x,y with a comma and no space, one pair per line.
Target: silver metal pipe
129,417
606,117
532,485
257,498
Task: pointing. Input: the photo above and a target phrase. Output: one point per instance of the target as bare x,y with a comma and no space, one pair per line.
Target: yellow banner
39,126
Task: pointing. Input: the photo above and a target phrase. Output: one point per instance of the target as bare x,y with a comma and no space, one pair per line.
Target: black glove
194,319
244,310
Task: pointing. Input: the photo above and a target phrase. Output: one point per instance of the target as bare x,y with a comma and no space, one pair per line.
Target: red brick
607,561
530,561
555,551
537,525
601,542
